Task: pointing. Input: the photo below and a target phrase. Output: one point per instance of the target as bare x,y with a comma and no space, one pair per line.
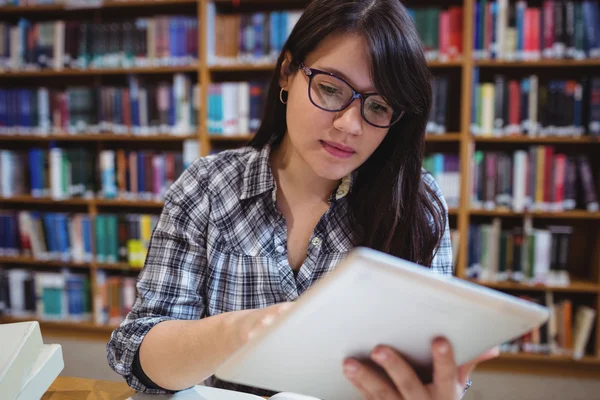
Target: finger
465,370
400,372
445,371
370,384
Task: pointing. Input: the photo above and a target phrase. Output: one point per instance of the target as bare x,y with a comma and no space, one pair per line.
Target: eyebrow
343,76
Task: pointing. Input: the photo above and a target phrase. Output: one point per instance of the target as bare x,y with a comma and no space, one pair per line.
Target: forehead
346,53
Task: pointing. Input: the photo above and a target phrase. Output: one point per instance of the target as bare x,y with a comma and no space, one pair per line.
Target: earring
281,96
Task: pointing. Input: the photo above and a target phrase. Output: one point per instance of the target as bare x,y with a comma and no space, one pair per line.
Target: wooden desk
67,388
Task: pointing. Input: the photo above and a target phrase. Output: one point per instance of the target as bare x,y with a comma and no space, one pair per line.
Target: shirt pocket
239,281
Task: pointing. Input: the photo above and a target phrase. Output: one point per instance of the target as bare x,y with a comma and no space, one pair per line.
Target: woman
336,163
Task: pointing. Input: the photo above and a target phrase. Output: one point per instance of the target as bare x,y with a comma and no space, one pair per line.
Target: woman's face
332,144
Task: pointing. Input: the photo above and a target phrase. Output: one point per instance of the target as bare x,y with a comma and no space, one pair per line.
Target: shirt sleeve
442,260
170,285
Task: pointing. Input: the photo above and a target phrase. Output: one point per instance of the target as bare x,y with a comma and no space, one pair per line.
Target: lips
337,150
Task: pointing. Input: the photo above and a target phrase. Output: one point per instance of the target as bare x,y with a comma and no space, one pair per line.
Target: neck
295,177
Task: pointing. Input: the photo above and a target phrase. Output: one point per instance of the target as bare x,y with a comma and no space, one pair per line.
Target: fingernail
268,320
350,368
443,348
380,355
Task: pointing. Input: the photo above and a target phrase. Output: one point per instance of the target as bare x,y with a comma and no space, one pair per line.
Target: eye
326,89
379,108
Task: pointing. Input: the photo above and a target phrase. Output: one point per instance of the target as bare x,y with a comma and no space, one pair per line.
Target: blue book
283,28
172,38
141,174
3,110
75,291
49,232
3,234
87,238
476,28
274,33
62,227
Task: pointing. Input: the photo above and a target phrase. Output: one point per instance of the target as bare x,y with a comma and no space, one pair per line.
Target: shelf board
538,63
445,64
259,67
97,137
245,67
29,261
127,203
548,358
446,137
575,214
89,326
83,202
25,199
576,286
22,260
538,139
230,138
105,4
99,71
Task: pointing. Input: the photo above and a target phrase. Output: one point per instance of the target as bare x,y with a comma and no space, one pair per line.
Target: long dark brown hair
391,209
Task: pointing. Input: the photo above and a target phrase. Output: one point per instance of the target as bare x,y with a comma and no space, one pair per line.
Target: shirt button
316,241
280,249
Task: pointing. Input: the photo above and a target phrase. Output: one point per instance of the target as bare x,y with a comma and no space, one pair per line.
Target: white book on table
210,393
46,368
20,346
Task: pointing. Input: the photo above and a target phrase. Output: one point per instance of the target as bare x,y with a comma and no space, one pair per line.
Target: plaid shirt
220,245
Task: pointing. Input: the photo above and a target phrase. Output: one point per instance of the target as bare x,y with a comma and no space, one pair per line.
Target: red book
560,165
445,35
536,33
514,112
548,8
548,178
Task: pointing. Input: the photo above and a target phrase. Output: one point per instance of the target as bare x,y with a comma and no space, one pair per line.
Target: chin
331,171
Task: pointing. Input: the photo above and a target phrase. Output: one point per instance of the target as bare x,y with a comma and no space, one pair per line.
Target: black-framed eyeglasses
332,93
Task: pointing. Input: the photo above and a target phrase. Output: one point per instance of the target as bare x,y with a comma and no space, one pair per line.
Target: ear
285,72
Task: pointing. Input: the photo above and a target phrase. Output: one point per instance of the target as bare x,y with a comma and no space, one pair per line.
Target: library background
104,103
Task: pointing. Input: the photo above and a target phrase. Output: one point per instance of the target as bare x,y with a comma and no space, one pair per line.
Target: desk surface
67,388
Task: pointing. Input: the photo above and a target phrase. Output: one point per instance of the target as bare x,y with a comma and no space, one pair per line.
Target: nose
349,119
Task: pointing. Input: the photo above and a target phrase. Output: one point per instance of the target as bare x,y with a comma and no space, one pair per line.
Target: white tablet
373,298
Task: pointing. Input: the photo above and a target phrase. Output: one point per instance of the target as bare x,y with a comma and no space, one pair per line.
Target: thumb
465,370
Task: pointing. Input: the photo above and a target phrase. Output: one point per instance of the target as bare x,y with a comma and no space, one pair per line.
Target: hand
397,380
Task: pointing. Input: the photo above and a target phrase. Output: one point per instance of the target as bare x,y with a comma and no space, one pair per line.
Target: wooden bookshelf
537,139
101,137
32,262
537,64
446,137
574,214
576,286
230,138
540,364
268,67
40,8
460,140
21,260
82,202
50,73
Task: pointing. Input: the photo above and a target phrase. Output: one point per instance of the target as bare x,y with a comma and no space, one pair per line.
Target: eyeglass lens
333,94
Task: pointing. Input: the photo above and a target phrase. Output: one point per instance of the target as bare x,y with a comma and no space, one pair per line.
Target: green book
100,239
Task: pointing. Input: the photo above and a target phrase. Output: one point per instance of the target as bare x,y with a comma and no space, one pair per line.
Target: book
20,346
210,393
45,370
